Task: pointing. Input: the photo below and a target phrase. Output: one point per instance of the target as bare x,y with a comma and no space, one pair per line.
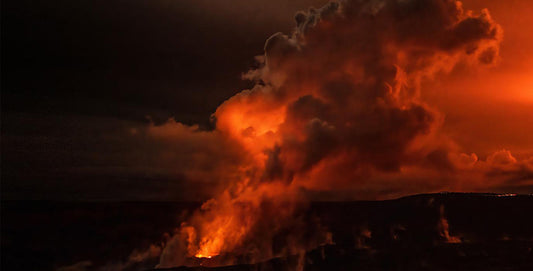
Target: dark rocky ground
504,255
492,233
495,233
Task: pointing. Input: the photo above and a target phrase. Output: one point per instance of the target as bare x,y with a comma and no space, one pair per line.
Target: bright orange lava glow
203,256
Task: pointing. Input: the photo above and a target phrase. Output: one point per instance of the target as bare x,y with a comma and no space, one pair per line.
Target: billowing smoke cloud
338,101
336,106
339,98
347,82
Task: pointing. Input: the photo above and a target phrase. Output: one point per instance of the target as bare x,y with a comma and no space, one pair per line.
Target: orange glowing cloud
343,106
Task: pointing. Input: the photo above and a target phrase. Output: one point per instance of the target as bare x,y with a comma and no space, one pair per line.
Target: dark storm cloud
112,159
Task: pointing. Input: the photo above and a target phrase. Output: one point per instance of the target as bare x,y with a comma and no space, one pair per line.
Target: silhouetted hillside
446,231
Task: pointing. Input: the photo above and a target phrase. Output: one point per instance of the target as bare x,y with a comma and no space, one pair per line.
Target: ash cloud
336,112
346,83
337,107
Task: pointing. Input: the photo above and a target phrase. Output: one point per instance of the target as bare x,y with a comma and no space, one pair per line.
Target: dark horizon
106,233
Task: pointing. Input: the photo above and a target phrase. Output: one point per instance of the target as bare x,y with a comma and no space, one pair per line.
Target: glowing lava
200,256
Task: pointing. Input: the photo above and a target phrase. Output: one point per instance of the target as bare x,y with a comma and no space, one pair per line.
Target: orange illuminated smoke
224,222
337,106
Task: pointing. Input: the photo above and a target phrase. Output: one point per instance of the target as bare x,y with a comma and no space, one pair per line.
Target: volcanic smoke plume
336,106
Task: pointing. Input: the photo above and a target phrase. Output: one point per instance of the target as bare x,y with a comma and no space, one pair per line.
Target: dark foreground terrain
447,231
508,255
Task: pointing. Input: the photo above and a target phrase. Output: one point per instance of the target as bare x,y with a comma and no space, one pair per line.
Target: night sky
76,76
82,80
